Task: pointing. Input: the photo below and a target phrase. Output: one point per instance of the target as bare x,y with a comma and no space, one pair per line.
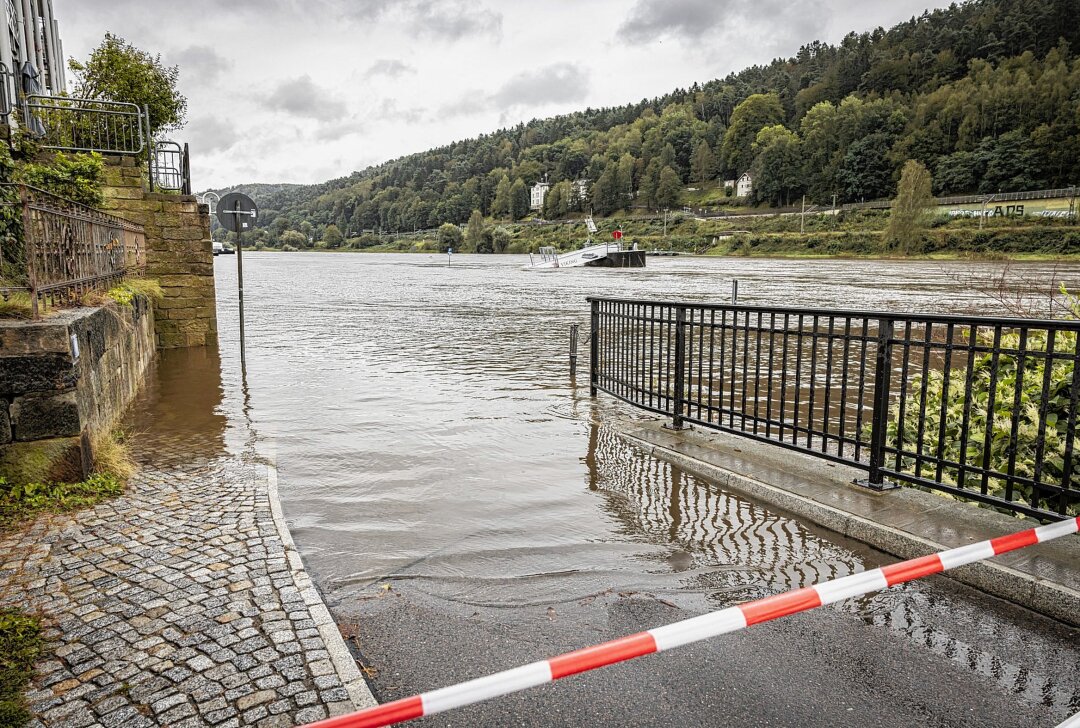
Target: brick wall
179,253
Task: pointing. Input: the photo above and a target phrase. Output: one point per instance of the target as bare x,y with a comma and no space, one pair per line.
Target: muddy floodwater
430,441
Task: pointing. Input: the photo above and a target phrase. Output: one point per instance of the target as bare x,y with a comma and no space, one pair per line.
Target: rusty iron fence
980,408
57,250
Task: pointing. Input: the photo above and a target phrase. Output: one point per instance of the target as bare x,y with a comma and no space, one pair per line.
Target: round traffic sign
237,212
617,235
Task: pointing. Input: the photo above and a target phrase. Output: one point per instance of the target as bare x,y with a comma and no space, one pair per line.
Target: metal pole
734,291
680,368
879,425
573,350
240,280
594,348
802,218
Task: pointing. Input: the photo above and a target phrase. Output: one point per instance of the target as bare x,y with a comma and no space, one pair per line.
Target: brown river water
428,435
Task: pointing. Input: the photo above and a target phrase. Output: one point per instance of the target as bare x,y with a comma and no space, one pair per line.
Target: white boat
548,258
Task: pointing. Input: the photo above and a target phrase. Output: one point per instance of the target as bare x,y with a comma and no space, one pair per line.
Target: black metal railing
981,408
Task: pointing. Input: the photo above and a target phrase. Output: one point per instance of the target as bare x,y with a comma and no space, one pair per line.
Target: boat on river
604,255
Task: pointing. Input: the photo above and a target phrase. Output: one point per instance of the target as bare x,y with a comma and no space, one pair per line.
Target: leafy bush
999,421
20,500
77,178
20,645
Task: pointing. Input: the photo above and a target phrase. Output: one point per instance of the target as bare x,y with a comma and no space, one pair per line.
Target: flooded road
459,497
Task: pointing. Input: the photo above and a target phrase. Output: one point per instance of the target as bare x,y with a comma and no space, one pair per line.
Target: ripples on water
427,433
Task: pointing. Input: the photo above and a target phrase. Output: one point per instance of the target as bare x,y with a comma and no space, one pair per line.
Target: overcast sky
308,90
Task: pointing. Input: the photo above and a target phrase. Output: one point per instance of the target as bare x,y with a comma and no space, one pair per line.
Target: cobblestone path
177,604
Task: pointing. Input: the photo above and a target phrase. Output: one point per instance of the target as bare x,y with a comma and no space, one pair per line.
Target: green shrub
19,500
1000,420
78,177
20,645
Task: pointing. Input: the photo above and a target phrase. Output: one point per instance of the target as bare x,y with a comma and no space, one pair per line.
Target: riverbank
181,601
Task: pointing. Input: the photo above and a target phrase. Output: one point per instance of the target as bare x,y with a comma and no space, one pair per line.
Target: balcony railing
86,125
59,250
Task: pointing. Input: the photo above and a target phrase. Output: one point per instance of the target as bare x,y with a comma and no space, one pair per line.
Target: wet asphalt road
823,668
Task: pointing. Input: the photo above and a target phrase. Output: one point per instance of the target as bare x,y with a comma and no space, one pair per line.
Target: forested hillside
986,94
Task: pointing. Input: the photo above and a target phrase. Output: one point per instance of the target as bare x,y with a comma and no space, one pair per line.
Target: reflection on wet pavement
427,436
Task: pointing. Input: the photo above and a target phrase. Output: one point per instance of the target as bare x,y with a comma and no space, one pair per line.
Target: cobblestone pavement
177,604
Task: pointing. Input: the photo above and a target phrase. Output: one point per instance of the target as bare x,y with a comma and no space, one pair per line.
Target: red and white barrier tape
691,630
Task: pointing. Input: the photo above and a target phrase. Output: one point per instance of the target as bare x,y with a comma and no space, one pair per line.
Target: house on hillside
538,193
744,185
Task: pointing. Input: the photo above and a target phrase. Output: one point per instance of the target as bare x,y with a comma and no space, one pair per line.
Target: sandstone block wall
179,253
52,401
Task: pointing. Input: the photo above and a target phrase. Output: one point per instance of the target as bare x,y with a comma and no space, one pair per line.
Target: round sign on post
617,234
237,212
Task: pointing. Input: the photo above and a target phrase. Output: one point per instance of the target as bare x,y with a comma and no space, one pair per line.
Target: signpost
617,234
237,212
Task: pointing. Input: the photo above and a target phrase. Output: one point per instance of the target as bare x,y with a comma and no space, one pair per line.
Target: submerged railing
981,408
59,249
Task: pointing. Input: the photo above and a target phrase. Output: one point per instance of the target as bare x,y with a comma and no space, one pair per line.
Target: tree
500,239
702,163
519,199
118,71
668,189
866,172
500,207
777,167
449,236
293,238
332,236
912,207
751,116
474,231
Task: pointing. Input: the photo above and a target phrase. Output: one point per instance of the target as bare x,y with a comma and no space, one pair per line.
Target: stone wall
52,402
179,253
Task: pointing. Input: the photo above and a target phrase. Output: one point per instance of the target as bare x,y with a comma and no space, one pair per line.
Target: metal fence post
879,424
185,170
30,250
594,346
680,368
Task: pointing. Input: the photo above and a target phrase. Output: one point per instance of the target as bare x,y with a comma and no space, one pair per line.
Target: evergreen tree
501,205
519,199
702,163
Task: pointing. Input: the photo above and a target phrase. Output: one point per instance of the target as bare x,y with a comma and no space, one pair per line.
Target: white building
537,194
30,45
744,185
729,184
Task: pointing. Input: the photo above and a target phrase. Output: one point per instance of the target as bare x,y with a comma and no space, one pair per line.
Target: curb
1048,598
340,656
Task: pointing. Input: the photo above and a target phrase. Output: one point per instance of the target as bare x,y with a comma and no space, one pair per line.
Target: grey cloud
337,131
301,96
210,134
691,19
390,67
557,83
714,24
200,61
449,20
388,110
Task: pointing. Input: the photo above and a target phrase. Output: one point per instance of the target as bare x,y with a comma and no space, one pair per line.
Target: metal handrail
169,168
918,399
87,125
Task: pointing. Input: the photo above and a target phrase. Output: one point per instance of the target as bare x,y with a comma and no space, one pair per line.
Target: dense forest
986,94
